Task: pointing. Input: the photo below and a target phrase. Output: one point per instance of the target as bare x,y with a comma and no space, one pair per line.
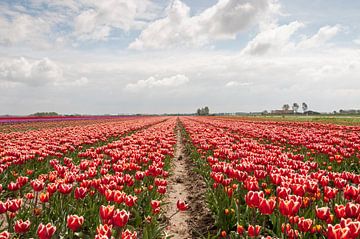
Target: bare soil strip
177,225
201,220
187,185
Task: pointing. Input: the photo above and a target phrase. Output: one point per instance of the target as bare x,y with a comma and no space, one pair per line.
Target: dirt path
178,224
185,184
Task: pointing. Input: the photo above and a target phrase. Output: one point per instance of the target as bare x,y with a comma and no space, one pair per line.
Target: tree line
295,107
203,111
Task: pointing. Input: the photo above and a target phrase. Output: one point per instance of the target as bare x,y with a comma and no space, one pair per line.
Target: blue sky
119,56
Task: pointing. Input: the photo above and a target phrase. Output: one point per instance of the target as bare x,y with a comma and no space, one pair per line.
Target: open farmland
129,177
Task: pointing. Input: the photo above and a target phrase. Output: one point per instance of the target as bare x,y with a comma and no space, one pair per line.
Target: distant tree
286,107
304,107
203,111
44,114
206,110
295,107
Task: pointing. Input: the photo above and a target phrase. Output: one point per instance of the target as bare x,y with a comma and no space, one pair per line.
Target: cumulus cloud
154,82
322,36
277,39
272,40
35,73
221,21
101,17
23,28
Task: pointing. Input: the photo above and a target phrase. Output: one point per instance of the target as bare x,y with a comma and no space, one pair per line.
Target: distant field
344,120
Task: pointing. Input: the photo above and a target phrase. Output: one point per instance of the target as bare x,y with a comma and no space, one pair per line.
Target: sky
174,56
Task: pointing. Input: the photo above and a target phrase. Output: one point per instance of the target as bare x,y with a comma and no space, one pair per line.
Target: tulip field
109,177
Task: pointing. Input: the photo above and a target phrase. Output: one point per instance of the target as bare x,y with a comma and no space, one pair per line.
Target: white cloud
277,39
221,21
23,28
40,72
322,36
272,40
153,82
34,73
237,84
101,17
357,41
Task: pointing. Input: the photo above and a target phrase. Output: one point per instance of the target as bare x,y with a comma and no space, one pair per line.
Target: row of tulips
9,125
269,192
336,146
113,190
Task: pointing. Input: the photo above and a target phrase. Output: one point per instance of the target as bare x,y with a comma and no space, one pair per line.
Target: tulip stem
118,232
174,214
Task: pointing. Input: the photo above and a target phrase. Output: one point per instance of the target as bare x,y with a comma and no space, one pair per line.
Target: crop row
255,188
113,189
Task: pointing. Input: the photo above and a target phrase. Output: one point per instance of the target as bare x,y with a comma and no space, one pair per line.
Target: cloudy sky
156,56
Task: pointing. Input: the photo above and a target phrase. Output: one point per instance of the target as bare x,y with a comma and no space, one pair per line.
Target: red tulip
127,234
46,232
240,229
37,185
253,198
254,231
130,200
74,222
340,211
289,207
267,207
80,192
352,210
21,226
304,225
65,188
120,218
337,232
104,230
106,212
3,207
323,213
5,235
44,197
155,205
14,205
182,205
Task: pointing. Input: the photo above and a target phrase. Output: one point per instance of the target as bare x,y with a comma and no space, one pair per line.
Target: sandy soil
187,185
178,224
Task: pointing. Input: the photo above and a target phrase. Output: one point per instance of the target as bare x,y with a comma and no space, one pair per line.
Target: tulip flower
3,207
104,230
5,235
254,231
323,213
352,210
37,185
304,225
127,234
14,205
267,207
80,192
253,198
44,197
106,212
337,232
182,205
46,231
21,226
240,229
74,222
120,218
